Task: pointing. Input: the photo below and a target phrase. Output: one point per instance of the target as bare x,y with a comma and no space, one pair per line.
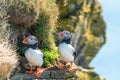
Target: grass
43,32
44,15
24,12
8,58
49,55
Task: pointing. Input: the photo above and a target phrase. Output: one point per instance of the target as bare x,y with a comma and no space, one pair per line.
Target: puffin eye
31,38
35,39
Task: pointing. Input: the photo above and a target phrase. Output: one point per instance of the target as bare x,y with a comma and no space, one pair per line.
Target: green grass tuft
49,55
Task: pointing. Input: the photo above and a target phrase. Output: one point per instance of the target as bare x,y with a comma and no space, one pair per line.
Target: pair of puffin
35,56
66,50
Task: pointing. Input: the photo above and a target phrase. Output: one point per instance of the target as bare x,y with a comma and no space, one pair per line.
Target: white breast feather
66,52
34,57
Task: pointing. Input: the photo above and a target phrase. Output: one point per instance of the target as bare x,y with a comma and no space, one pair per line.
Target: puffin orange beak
25,41
60,34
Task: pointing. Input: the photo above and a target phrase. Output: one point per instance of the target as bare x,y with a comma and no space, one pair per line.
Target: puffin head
64,35
30,40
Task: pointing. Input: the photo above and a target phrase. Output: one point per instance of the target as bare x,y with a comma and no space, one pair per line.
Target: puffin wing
73,51
39,52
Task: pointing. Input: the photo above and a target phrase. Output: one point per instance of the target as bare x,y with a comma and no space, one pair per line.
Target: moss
49,55
87,75
63,25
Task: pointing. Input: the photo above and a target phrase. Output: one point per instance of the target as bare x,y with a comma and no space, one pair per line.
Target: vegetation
84,19
49,56
8,58
18,18
87,75
36,17
42,18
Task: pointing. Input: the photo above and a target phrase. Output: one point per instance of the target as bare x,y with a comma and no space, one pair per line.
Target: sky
107,61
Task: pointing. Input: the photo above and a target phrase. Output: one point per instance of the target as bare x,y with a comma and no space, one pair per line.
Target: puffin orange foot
37,74
29,72
70,70
61,67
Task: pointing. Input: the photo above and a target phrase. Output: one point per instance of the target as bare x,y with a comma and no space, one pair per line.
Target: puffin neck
67,41
33,46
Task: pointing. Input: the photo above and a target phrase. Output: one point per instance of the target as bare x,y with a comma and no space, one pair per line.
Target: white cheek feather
66,52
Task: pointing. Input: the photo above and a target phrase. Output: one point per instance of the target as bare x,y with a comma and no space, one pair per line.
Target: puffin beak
60,34
25,41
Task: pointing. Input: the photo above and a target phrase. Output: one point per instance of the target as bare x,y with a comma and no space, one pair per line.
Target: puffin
33,55
66,50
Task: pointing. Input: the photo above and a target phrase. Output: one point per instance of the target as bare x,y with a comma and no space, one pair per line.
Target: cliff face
84,19
43,18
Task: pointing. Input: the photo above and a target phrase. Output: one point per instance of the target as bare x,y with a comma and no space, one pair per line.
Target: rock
88,27
52,74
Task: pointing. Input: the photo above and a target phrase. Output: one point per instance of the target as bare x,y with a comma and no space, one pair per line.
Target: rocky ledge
56,74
